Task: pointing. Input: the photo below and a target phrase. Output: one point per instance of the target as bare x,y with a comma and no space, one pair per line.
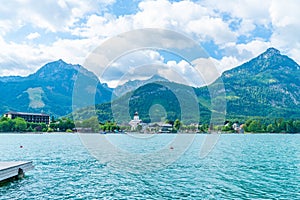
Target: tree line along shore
253,125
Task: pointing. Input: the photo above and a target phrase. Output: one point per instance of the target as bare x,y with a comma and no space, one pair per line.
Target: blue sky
33,33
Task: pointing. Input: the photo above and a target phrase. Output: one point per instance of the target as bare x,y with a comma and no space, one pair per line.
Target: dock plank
12,169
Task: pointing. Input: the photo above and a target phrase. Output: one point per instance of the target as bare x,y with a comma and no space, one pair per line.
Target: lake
250,166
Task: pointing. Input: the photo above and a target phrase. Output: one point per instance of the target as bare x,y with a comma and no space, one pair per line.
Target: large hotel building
29,117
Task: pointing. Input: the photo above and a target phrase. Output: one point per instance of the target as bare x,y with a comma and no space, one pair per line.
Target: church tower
136,116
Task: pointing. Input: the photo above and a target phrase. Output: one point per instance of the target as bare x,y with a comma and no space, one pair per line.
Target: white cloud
33,36
141,65
184,16
208,28
286,25
256,47
280,17
226,63
5,26
81,25
207,68
253,10
103,26
246,26
136,65
50,15
182,72
15,57
284,14
23,59
199,20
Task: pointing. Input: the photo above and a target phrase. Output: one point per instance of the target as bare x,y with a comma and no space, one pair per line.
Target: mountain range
266,86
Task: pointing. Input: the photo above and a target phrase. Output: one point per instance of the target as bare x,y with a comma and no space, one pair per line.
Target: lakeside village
39,122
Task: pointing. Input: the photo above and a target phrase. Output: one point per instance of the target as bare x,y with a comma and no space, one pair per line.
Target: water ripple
239,167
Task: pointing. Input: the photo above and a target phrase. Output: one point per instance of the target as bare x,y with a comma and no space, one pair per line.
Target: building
29,117
236,127
135,122
166,128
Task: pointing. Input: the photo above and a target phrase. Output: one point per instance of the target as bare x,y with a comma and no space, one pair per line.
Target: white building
135,122
166,128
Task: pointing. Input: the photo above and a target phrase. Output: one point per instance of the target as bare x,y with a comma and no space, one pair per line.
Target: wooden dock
13,170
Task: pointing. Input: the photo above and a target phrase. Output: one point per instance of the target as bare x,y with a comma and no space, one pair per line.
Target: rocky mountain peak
61,70
270,60
272,50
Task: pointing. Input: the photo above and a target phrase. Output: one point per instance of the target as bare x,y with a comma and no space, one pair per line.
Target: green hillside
267,86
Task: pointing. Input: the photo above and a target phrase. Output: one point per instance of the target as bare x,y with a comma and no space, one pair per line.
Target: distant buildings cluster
159,127
138,125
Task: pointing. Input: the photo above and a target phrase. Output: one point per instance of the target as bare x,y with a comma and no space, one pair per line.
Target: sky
33,33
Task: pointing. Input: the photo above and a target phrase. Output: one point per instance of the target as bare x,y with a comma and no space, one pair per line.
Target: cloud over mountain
232,31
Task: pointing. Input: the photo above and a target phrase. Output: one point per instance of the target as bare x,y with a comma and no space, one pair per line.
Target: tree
110,126
247,124
139,128
92,123
296,125
49,130
5,126
64,124
227,127
270,128
53,126
31,126
20,124
280,125
255,126
29,129
177,124
203,128
290,127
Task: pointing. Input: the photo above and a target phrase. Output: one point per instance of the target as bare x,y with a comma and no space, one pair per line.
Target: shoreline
72,133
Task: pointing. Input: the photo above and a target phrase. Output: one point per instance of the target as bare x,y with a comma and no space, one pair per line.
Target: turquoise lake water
265,166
